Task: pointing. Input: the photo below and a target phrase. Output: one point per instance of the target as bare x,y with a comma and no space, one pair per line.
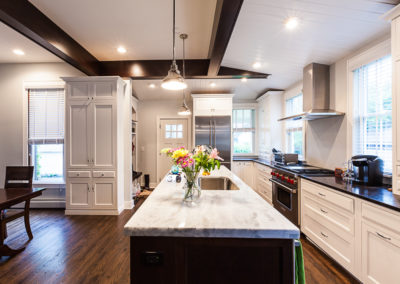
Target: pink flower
214,155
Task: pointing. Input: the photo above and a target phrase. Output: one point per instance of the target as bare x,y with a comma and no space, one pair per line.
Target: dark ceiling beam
229,13
268,90
26,19
158,69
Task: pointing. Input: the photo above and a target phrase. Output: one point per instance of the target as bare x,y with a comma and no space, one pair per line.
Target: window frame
25,112
252,106
294,92
373,53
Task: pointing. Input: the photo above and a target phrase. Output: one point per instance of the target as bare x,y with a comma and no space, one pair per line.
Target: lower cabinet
91,193
361,236
244,170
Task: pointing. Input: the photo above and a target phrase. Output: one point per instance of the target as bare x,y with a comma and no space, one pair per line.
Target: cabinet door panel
104,195
104,90
104,141
380,254
77,135
78,194
78,90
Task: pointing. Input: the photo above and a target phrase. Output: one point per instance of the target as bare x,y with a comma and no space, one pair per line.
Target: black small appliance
368,169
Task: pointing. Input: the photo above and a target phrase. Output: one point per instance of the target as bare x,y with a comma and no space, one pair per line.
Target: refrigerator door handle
215,135
210,133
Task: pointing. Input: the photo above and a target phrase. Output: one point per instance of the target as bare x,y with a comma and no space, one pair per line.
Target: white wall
148,110
12,78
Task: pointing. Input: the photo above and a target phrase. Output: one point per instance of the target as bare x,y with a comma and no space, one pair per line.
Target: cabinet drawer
263,170
381,216
339,221
103,174
337,247
79,174
328,195
264,188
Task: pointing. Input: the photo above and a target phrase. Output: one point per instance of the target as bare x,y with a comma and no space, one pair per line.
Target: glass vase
191,188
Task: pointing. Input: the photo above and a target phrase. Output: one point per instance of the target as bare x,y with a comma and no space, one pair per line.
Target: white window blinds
46,116
372,98
294,128
244,129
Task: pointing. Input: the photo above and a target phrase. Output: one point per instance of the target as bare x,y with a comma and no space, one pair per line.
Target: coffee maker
368,169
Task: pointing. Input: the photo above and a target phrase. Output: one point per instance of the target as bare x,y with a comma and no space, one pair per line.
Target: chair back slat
19,176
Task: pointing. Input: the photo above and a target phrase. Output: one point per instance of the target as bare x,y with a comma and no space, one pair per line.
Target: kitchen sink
217,183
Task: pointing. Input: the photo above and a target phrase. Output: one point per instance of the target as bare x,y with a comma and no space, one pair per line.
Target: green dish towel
299,263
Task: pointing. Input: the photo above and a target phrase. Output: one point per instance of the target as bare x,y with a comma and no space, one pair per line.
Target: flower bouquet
201,158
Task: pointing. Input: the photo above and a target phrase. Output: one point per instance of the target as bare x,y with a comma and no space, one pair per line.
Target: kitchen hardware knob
78,174
102,174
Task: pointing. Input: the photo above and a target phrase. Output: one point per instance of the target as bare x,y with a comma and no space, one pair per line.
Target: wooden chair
17,177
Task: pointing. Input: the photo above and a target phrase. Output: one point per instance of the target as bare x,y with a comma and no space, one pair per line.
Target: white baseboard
128,204
93,212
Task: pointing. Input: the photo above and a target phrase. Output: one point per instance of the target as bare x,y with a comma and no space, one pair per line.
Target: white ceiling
144,27
14,40
243,90
328,31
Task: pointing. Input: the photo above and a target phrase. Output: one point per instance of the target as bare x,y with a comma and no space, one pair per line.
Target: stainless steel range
285,188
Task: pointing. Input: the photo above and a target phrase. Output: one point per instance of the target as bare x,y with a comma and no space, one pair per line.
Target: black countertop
376,194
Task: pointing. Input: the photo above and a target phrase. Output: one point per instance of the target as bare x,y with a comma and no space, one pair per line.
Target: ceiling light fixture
244,79
174,80
256,65
184,109
291,23
18,52
152,86
121,49
212,84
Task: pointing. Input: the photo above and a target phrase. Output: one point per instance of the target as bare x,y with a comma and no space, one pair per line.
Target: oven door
285,200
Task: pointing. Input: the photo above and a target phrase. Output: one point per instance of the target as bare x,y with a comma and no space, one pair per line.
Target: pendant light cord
173,35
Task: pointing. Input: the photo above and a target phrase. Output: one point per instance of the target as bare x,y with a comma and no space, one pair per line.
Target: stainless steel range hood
315,94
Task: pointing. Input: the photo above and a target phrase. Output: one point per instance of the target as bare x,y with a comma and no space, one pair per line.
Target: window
46,134
294,129
372,110
244,131
173,131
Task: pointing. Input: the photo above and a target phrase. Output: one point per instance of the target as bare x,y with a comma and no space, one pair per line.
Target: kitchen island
231,236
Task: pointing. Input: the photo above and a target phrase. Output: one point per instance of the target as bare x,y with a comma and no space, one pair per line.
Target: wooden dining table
10,197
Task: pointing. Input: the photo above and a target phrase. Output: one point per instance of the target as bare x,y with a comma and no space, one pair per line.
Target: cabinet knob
102,174
78,174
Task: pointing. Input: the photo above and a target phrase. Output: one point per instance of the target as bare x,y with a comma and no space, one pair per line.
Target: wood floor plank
93,249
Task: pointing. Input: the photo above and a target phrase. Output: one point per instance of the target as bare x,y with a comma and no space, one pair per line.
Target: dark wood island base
184,260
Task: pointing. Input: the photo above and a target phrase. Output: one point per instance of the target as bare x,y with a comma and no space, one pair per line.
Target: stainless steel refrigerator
215,132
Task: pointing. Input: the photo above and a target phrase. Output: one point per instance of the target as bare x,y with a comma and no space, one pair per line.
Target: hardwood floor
93,249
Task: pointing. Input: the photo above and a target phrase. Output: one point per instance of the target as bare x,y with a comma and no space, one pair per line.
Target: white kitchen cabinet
244,170
95,121
394,17
262,184
78,192
212,105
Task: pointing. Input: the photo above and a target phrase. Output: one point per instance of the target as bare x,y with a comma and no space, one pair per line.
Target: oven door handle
291,190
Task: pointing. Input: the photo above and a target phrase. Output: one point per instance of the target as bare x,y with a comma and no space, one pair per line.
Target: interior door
77,132
173,133
104,134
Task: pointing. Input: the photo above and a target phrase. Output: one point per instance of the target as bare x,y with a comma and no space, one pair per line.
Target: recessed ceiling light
212,84
244,79
291,23
152,86
256,65
18,52
121,49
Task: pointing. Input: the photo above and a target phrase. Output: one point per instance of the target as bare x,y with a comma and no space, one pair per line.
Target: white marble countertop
219,214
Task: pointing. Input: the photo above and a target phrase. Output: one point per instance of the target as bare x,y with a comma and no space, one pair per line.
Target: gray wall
12,77
148,110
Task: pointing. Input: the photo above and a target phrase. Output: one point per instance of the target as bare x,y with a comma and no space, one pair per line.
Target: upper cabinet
80,88
394,16
212,105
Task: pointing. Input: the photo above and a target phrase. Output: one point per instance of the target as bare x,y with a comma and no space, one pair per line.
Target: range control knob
272,173
282,177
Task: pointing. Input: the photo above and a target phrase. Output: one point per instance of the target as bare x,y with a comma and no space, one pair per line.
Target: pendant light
184,109
174,80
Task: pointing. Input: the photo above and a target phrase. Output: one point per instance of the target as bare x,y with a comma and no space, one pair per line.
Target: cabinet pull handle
383,237
324,235
93,188
88,188
321,194
323,211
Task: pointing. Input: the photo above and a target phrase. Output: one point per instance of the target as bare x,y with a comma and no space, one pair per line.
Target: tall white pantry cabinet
94,145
